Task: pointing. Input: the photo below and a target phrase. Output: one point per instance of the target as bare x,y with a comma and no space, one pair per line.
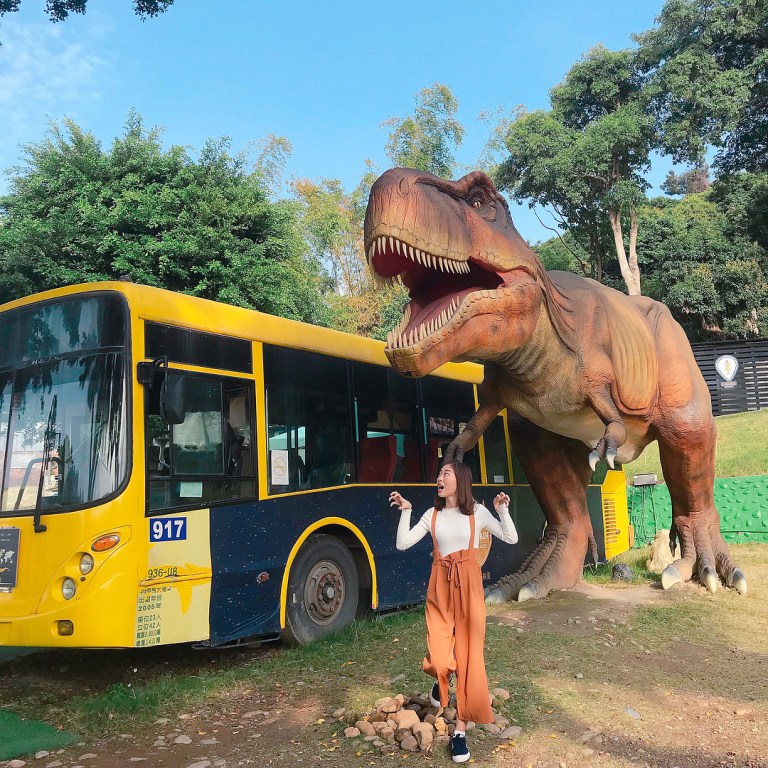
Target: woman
455,608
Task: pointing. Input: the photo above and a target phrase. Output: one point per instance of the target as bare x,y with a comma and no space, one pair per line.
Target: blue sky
324,75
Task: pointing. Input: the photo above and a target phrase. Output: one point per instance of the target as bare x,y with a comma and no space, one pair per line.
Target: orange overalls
456,629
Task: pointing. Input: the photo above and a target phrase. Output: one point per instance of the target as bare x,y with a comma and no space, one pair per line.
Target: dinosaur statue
585,372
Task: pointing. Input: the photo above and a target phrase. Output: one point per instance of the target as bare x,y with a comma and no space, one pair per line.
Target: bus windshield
63,407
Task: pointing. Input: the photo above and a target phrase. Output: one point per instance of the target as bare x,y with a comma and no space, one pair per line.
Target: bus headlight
68,588
86,563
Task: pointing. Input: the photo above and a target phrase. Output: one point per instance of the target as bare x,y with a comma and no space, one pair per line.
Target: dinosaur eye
477,204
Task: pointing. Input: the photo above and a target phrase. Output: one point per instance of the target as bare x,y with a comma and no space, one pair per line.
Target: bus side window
387,426
206,458
496,462
308,420
447,407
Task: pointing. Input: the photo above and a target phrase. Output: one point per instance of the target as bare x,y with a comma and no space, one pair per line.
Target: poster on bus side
9,558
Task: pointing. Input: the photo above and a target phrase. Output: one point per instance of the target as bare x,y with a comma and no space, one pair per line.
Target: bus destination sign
9,558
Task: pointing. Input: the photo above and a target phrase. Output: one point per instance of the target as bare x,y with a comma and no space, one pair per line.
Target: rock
200,764
209,742
162,720
402,733
380,702
420,700
661,555
513,732
441,726
501,720
337,713
386,732
371,738
430,718
449,713
390,707
392,723
634,714
378,727
409,744
587,736
378,717
579,676
41,754
392,740
138,760
501,693
470,726
365,728
88,756
425,735
54,764
378,743
492,728
16,764
406,718
182,740
350,733
621,572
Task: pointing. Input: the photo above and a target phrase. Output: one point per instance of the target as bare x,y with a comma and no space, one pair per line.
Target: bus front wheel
323,590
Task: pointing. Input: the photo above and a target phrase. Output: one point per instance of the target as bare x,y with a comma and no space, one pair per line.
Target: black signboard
9,558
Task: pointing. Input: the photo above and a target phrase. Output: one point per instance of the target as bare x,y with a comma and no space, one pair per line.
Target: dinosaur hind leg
689,473
558,472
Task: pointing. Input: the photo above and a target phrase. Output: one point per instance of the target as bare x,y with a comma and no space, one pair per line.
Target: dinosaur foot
556,563
605,449
704,553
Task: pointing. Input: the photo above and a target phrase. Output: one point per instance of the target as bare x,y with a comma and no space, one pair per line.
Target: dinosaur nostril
404,186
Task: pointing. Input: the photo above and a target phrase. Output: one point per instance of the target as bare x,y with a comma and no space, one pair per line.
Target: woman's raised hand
501,500
396,500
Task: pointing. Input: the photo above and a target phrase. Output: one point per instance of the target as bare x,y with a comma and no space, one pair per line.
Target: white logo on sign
727,366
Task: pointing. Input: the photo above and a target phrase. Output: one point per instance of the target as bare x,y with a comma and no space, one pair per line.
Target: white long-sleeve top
452,528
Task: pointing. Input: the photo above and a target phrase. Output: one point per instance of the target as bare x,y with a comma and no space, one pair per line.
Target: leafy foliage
584,159
708,66
77,213
426,140
58,10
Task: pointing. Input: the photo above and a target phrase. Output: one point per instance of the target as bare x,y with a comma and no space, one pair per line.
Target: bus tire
323,590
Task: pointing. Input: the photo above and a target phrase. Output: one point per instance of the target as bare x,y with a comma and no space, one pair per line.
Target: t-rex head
475,286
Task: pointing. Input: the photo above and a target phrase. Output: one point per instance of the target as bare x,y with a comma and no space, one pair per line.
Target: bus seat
378,456
412,461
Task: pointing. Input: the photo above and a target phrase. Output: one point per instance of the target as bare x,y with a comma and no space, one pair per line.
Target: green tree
708,66
701,262
206,227
585,158
427,139
58,10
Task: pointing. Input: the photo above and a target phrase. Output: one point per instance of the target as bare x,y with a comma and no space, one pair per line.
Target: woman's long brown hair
463,488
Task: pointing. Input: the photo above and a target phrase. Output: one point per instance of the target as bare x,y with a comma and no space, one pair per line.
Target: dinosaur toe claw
708,577
494,597
738,581
527,592
594,457
670,576
610,457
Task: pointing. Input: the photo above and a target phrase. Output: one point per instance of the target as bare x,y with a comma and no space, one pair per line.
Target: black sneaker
434,695
459,749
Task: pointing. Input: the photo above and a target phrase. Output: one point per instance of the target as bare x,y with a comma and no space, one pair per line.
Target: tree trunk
629,269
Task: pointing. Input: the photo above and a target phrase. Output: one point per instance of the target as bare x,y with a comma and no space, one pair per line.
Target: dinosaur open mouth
438,286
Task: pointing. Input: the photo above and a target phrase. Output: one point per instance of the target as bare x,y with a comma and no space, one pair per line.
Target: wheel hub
324,592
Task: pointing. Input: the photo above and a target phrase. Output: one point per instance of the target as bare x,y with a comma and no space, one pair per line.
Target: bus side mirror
173,399
172,395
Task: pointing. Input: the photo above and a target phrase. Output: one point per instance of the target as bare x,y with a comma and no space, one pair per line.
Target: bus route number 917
168,529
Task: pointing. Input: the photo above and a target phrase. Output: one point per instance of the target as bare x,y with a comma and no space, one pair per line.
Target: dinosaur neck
531,362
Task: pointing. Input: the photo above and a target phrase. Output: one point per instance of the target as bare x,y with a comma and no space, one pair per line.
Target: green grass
742,450
634,558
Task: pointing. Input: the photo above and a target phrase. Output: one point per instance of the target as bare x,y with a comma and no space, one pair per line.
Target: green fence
741,501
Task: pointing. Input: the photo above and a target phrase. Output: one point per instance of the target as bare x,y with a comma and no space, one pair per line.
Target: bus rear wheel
323,590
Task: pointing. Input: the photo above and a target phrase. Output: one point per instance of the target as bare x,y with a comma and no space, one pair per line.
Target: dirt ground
624,715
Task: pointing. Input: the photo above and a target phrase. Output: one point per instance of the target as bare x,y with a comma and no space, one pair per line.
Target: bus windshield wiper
47,447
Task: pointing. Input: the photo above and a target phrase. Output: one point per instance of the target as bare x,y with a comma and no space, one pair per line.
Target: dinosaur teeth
397,246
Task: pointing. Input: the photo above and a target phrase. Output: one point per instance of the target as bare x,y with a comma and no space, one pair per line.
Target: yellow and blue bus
179,470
